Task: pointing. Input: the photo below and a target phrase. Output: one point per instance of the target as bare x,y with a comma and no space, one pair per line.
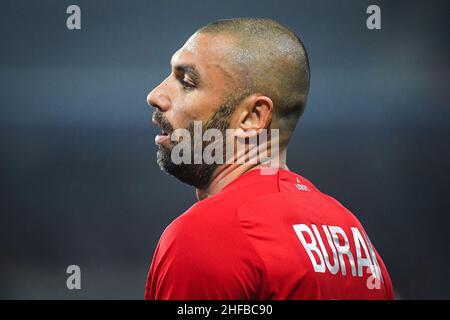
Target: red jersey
267,237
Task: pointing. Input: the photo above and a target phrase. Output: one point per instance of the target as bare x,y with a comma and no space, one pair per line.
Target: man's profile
259,231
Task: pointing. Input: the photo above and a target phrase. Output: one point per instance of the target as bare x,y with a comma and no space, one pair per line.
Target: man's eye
186,84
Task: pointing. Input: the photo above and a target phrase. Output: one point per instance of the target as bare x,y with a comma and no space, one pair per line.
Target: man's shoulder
206,233
207,221
215,219
222,205
222,210
204,215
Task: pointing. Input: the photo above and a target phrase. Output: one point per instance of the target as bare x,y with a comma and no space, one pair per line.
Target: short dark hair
272,60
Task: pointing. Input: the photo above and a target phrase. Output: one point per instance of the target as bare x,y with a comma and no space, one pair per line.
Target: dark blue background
78,179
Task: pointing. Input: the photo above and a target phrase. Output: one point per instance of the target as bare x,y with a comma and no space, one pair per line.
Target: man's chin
196,175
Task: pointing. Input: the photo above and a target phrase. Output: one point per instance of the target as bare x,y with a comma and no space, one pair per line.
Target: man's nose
157,98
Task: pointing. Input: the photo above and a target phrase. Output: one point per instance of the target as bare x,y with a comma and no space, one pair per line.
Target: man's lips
161,137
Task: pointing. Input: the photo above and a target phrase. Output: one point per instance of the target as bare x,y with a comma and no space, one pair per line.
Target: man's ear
257,113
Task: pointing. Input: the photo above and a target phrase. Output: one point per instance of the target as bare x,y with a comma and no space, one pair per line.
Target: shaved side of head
267,58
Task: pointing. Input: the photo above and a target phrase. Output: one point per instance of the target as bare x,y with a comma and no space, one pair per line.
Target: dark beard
197,175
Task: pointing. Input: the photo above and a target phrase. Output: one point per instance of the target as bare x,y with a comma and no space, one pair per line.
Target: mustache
163,122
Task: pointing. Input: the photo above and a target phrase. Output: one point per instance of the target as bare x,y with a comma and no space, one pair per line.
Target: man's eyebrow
189,69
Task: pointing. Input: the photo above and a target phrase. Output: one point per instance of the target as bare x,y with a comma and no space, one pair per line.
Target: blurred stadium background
78,179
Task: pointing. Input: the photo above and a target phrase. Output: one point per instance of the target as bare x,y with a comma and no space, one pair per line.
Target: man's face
195,90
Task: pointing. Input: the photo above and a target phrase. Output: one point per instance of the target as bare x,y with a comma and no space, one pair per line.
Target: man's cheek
182,117
194,106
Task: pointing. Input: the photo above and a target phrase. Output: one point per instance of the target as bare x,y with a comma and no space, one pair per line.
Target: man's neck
227,173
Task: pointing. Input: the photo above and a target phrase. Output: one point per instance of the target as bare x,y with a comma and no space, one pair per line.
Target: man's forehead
202,51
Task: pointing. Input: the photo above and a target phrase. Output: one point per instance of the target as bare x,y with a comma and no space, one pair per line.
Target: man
259,231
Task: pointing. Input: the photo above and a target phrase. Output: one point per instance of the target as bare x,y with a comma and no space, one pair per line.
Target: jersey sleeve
201,259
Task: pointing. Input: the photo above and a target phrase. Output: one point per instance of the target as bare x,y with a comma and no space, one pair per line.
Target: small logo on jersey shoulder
300,186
